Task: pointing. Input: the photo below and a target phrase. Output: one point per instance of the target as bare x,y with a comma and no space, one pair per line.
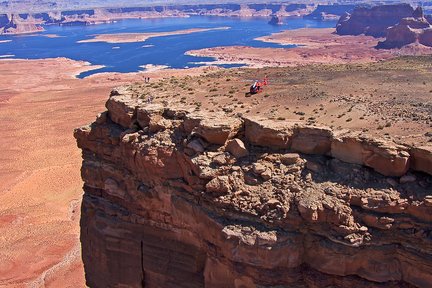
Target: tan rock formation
158,212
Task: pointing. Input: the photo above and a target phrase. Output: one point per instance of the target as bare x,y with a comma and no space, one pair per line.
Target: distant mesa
414,29
329,12
373,21
14,24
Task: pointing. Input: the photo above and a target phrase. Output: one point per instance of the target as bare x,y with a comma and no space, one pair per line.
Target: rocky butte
410,30
373,21
177,198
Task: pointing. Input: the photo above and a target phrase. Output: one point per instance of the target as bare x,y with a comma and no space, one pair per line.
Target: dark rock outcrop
166,205
275,20
373,21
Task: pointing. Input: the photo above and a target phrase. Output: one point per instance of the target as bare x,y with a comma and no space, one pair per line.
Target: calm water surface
168,50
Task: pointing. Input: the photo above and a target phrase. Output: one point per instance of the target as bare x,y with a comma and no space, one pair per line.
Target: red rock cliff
180,199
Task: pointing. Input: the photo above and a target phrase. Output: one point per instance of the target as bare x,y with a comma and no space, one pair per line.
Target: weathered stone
313,166
373,21
290,158
121,109
215,129
219,185
386,158
258,168
237,148
151,116
152,196
266,175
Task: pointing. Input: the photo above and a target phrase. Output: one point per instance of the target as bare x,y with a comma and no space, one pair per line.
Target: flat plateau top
389,99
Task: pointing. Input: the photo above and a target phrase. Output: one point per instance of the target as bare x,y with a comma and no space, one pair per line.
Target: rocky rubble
175,198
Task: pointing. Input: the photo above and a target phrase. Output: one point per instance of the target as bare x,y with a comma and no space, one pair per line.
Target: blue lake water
168,50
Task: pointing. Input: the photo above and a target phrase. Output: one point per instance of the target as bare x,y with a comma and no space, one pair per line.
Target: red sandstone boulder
121,107
219,185
237,148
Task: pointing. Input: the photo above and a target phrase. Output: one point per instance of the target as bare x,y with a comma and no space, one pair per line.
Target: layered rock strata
175,198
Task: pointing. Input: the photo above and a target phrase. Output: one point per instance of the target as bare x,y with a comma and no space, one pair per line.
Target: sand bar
142,37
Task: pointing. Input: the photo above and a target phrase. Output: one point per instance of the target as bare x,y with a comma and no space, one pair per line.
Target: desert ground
41,102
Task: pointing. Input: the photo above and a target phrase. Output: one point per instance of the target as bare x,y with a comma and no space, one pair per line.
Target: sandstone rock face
373,21
159,211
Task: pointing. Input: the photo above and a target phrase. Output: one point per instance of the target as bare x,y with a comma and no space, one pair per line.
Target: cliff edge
178,198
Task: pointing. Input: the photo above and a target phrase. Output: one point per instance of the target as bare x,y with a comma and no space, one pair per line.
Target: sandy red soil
40,184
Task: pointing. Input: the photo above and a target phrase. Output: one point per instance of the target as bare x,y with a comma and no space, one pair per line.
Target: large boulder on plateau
121,108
